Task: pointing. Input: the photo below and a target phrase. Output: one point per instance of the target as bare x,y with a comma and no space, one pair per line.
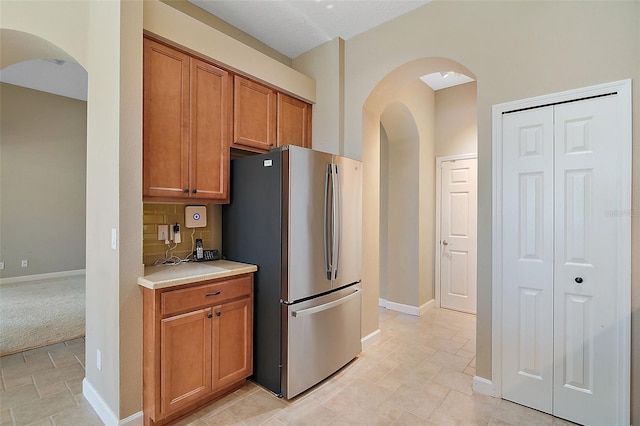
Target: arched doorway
43,195
403,86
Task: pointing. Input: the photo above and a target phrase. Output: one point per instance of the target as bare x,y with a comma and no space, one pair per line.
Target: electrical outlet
1,265
24,263
98,360
163,232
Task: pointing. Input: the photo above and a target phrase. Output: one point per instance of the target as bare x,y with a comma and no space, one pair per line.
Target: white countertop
162,276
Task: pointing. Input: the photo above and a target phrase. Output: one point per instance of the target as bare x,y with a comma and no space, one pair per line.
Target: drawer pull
212,294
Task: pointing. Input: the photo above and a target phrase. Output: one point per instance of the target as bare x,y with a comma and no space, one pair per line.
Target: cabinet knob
186,190
195,191
579,280
218,313
209,316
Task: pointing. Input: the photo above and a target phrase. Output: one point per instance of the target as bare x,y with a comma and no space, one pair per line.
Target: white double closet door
561,337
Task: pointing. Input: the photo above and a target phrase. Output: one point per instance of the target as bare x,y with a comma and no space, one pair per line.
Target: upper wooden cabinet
187,126
254,115
294,122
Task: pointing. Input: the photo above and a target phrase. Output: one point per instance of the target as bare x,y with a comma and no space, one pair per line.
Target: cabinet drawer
205,295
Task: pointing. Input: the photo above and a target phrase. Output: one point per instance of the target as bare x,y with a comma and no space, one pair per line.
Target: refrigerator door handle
324,307
327,227
337,222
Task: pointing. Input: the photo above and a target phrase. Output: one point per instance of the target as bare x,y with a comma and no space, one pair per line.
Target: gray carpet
40,313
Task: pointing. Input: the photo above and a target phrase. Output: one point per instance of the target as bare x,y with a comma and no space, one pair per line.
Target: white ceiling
62,78
293,27
442,80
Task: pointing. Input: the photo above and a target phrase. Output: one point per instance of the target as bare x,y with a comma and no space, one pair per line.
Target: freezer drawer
323,335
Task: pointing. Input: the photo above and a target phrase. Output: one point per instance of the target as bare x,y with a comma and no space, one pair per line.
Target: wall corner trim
370,339
101,408
105,413
485,387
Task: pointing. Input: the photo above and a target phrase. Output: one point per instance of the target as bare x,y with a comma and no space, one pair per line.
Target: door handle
326,306
445,242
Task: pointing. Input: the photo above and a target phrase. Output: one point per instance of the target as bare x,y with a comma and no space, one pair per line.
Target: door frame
439,161
623,88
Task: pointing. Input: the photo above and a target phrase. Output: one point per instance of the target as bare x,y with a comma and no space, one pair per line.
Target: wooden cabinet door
185,374
254,115
294,122
166,121
210,131
232,342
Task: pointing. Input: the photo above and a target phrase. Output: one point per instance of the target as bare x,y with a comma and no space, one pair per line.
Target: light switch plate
195,216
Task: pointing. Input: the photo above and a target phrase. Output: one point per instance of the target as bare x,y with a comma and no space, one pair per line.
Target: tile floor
419,373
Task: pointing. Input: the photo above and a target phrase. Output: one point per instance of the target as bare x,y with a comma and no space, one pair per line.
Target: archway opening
43,193
405,229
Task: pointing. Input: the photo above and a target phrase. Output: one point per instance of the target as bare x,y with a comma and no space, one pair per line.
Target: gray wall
42,182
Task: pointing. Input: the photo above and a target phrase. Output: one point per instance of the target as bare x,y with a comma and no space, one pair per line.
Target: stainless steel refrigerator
296,213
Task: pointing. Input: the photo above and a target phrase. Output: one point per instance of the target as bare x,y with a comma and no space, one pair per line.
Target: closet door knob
445,242
579,280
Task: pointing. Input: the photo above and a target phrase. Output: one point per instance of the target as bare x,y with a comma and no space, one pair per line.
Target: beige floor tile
460,408
11,360
449,361
16,375
256,408
16,395
221,418
309,412
416,377
360,393
455,380
38,409
413,400
82,414
466,354
446,345
519,415
48,378
409,419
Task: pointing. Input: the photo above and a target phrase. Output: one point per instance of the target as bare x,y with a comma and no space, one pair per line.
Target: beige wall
407,209
205,17
456,120
510,48
384,212
325,64
43,145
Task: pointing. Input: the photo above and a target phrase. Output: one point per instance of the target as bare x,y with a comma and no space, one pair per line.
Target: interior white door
458,239
586,344
561,342
527,222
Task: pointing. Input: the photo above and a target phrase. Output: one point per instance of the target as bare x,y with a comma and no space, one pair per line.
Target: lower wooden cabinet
197,345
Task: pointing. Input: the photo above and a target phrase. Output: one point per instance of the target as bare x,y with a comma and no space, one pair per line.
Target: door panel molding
576,145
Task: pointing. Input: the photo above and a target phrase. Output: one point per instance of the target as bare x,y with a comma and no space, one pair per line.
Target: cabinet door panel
294,122
186,359
210,130
233,324
166,121
254,115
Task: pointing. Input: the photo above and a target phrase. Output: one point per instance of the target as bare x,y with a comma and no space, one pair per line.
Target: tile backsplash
155,214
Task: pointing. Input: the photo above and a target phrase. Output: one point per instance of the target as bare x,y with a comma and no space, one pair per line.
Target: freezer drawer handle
326,306
212,294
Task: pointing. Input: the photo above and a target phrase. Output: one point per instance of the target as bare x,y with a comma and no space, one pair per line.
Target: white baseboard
370,339
105,413
484,386
38,277
407,309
